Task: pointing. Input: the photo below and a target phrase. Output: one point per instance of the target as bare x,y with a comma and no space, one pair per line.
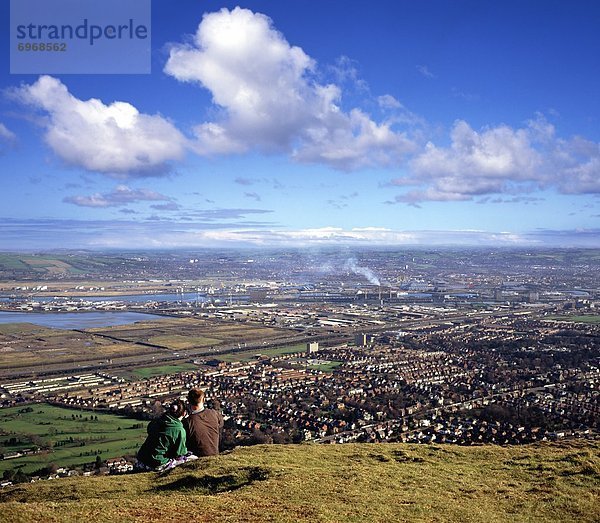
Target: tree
8,475
20,477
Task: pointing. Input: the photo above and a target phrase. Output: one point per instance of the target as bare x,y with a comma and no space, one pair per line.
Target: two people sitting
181,435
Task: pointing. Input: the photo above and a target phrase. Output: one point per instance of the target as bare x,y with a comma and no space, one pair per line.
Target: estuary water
132,298
76,320
129,298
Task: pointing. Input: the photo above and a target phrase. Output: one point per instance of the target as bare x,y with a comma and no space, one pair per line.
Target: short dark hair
195,396
176,408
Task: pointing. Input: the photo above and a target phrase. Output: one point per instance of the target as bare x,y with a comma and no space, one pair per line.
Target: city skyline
311,124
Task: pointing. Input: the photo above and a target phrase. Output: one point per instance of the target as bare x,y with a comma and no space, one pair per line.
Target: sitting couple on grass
181,435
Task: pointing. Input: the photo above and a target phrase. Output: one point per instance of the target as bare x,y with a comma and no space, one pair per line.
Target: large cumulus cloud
502,160
114,139
268,98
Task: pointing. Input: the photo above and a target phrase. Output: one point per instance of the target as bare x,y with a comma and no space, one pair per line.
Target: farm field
75,436
36,264
28,350
190,333
43,265
181,341
24,345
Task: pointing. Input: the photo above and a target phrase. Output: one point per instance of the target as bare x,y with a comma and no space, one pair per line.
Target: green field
586,319
251,354
74,436
12,262
577,319
55,264
354,483
326,367
149,372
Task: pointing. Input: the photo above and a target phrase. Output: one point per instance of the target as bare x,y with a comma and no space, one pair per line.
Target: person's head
196,398
177,409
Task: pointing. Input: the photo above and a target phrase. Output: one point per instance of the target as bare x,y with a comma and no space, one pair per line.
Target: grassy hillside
350,483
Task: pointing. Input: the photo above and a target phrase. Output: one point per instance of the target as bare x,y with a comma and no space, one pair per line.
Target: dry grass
184,333
29,346
350,483
179,342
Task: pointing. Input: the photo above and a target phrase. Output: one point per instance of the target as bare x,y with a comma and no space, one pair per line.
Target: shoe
171,464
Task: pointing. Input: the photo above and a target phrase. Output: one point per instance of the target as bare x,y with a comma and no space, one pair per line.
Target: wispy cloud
342,201
240,180
226,214
6,134
164,233
468,97
170,206
424,70
7,138
121,196
253,196
387,101
527,200
345,71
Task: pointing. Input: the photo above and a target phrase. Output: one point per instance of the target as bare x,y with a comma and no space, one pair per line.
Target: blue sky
314,123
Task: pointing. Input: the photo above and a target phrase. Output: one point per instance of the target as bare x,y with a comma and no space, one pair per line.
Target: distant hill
56,265
350,483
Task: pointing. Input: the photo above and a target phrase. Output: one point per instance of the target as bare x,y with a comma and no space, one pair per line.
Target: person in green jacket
165,445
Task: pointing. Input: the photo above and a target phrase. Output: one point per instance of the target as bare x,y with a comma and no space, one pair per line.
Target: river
129,298
76,320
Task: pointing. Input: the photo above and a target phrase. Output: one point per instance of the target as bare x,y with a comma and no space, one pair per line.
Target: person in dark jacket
165,445
203,426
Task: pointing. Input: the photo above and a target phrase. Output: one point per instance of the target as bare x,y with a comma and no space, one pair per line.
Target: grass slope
350,483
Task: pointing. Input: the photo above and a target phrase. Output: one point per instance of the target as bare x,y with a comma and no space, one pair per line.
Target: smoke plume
352,266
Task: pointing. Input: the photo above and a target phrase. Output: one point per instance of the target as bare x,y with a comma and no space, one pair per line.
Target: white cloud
321,235
269,100
387,101
502,160
345,71
46,233
491,161
6,134
577,164
8,139
120,196
424,70
182,237
494,154
113,139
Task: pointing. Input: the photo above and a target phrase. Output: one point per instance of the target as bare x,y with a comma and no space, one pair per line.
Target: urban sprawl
457,347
